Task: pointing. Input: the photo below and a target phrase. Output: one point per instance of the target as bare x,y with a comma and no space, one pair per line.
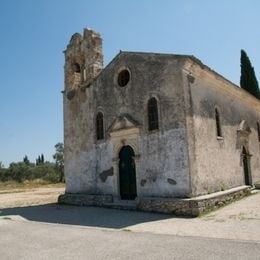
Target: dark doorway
127,175
246,166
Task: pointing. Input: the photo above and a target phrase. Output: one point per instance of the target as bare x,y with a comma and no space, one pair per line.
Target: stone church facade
154,126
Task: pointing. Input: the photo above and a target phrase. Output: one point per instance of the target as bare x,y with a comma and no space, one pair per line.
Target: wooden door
246,166
127,174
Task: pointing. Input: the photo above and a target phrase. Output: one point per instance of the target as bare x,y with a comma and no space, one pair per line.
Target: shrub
21,172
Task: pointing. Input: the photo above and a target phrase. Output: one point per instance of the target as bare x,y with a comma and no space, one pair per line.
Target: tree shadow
83,216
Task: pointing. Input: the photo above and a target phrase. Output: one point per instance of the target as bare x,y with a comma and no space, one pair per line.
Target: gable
123,122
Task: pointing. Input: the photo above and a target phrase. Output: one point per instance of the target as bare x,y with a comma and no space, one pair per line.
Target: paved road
33,240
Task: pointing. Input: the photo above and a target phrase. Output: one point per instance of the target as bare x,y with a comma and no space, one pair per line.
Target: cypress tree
42,158
26,160
248,79
38,160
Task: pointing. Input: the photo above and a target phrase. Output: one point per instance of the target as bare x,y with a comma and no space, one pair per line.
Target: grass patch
127,230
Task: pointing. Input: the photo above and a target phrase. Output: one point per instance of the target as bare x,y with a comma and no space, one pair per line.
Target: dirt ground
27,197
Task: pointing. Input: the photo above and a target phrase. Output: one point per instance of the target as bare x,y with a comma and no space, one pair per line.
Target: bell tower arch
83,60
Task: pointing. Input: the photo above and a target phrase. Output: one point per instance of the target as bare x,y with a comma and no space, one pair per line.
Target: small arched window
258,131
153,114
218,125
99,126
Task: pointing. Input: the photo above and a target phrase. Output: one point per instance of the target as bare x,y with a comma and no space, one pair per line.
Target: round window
123,78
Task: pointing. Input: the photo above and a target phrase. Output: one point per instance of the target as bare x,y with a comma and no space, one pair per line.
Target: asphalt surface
32,240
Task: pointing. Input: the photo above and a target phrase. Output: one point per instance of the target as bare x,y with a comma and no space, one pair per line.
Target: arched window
258,131
218,125
152,114
76,67
99,126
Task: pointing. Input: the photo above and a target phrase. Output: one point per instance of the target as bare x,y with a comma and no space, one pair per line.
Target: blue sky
35,32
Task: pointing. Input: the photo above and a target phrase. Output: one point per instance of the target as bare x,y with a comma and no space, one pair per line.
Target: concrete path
240,220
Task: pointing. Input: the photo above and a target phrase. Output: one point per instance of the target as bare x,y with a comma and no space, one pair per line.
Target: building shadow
83,216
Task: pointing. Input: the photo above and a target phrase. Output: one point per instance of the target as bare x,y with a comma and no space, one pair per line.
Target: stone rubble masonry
85,199
191,207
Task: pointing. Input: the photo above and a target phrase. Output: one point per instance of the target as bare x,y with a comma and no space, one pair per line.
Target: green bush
21,172
4,175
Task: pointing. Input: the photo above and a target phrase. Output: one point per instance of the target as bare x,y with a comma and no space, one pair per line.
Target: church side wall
219,161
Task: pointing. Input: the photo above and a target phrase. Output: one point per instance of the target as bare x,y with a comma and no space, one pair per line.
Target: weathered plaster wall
161,156
218,162
161,160
163,164
80,158
105,172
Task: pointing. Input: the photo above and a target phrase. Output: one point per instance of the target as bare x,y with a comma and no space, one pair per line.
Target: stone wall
192,207
85,200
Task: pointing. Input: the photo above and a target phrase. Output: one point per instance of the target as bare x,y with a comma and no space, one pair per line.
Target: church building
152,129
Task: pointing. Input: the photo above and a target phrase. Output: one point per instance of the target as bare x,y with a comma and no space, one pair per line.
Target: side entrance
246,167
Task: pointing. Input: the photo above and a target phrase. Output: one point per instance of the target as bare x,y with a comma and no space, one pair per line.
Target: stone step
257,186
122,204
254,191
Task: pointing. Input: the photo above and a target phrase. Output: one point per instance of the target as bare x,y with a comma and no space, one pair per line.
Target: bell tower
83,64
83,61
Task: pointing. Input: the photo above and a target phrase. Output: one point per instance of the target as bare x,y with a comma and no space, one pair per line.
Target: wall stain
103,175
171,181
143,181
